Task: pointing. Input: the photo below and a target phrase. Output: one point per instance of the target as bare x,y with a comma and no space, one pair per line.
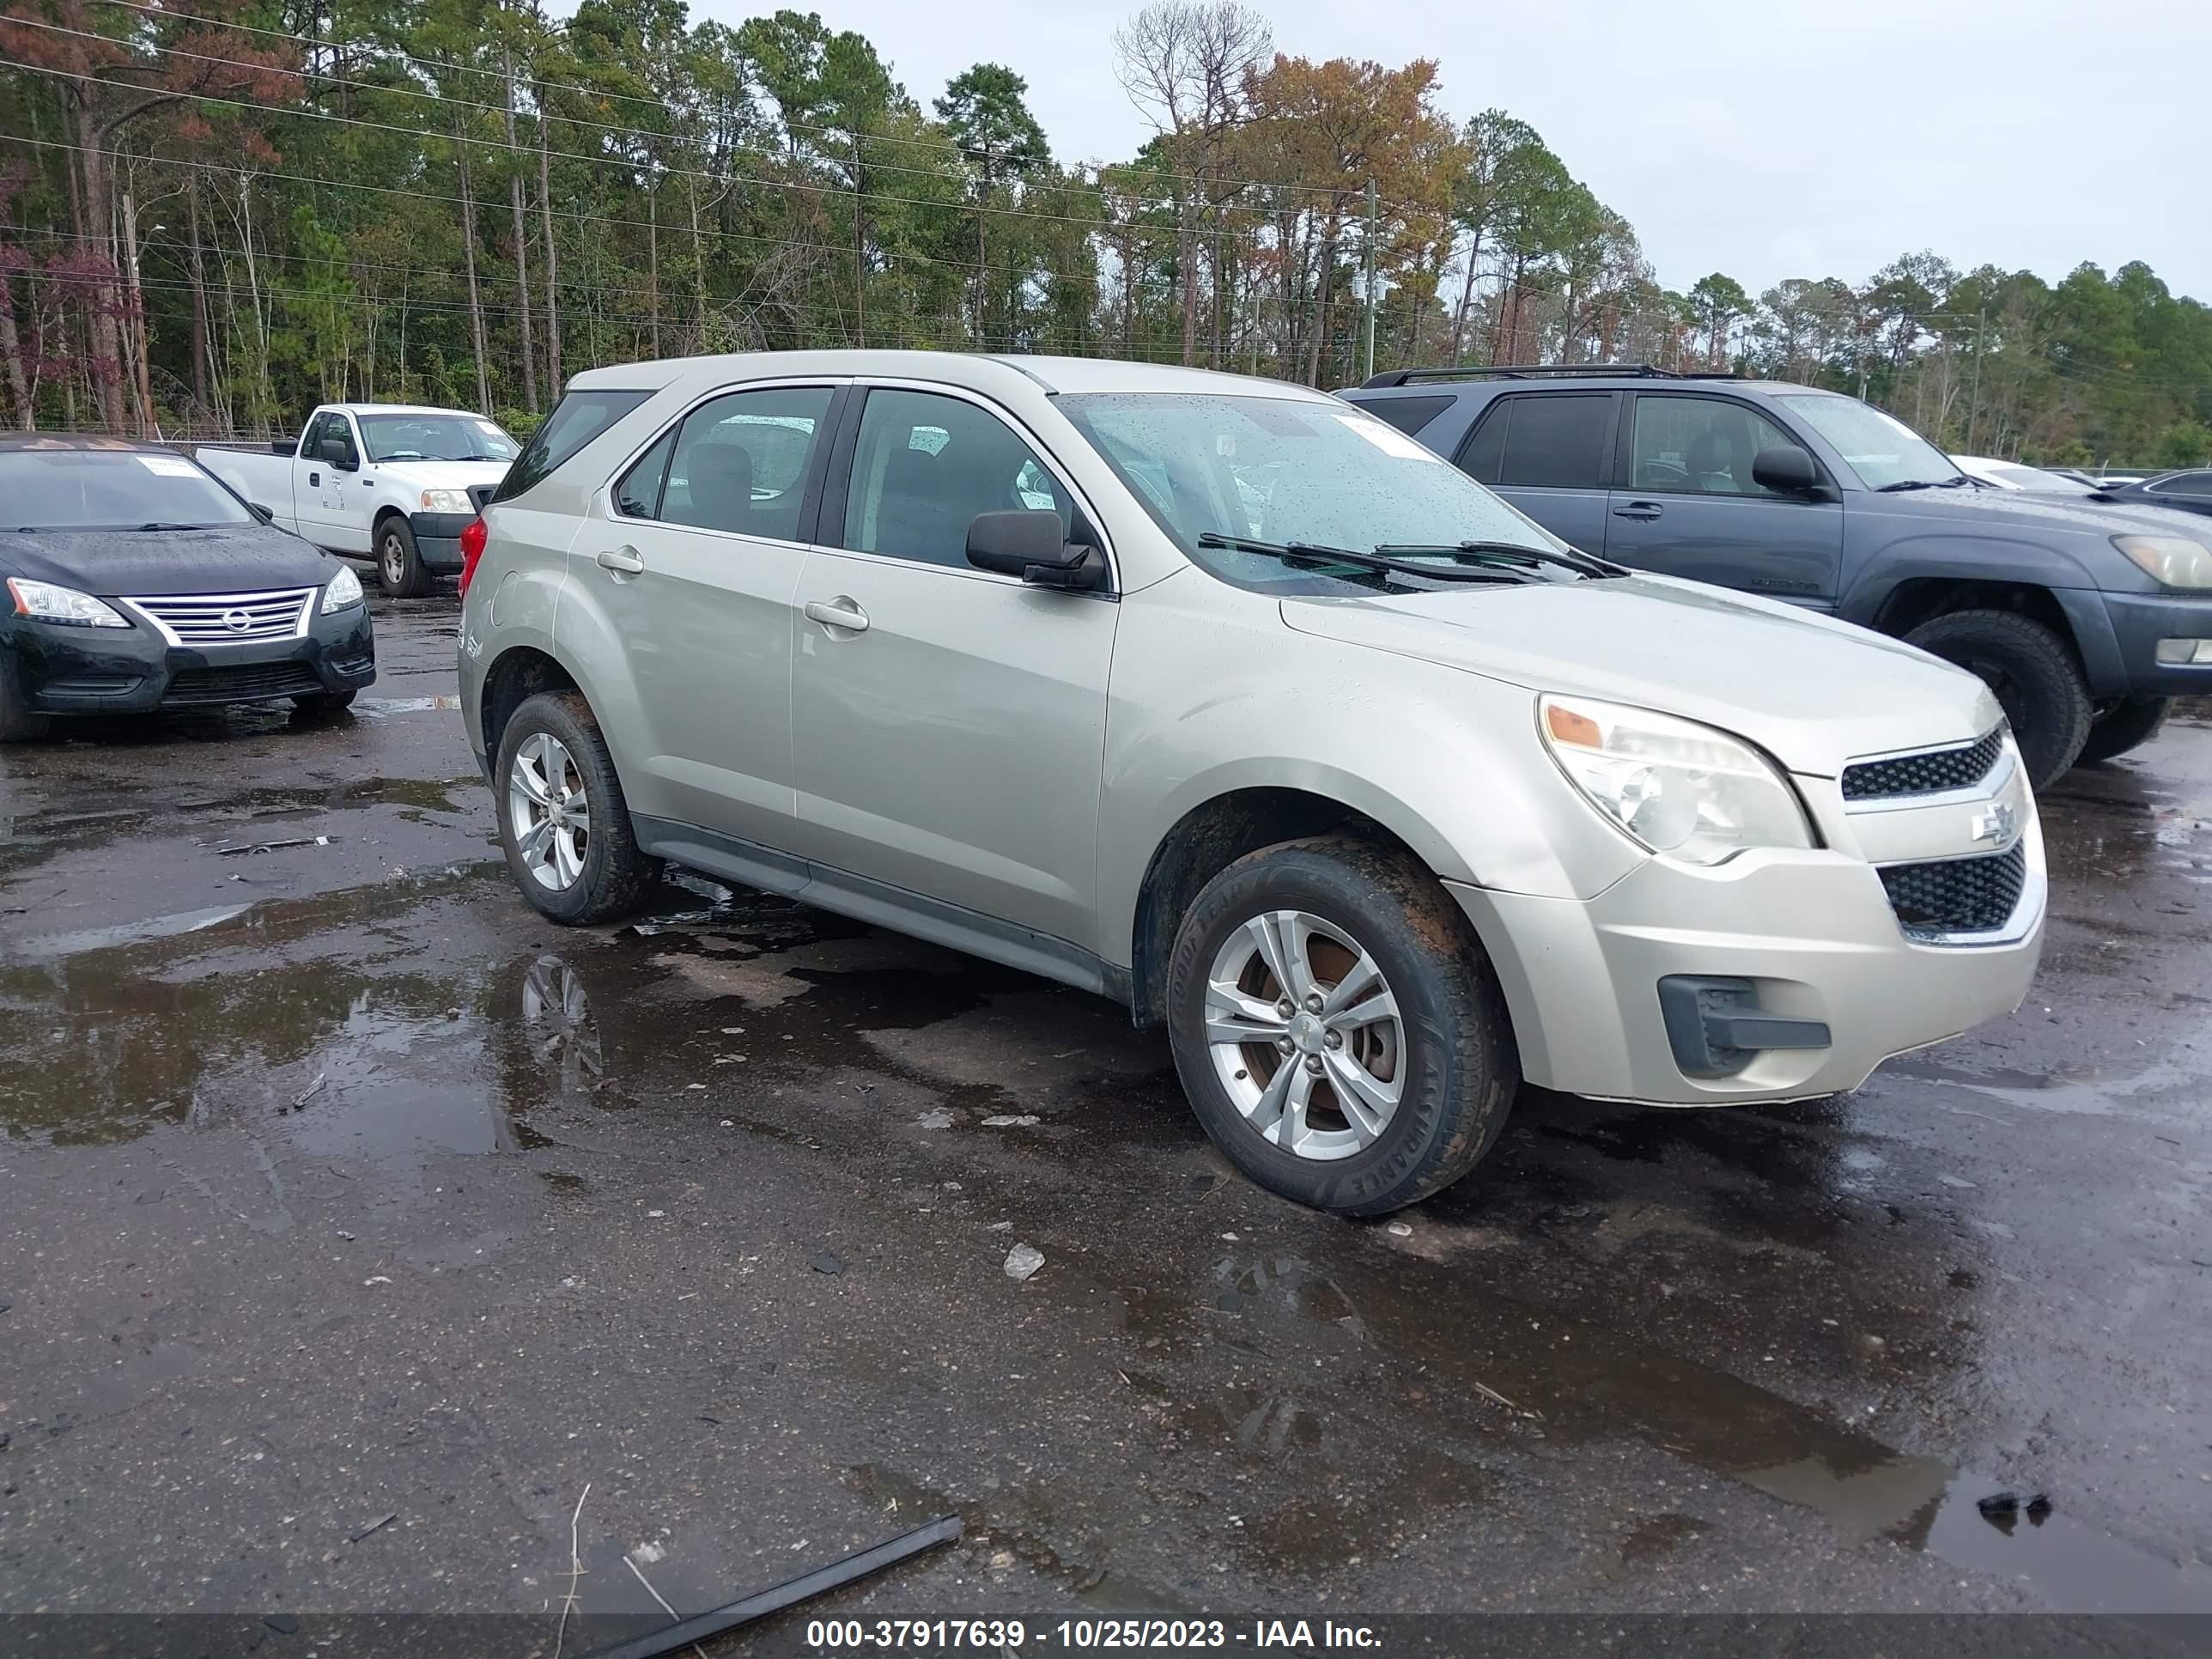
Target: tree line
215,213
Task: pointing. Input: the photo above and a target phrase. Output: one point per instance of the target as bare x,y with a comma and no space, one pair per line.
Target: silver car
1224,699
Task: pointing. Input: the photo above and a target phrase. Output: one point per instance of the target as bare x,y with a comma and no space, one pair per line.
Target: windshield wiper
1923,484
1314,553
1571,559
162,525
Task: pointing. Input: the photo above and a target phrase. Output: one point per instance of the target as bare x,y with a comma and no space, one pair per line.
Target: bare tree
1183,63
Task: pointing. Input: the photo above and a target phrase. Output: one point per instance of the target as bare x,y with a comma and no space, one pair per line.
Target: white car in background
2014,475
387,482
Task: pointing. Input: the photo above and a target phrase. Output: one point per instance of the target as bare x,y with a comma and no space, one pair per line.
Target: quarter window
924,467
739,462
1700,446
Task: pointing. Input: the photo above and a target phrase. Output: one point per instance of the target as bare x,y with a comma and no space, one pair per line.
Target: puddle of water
377,708
1510,1369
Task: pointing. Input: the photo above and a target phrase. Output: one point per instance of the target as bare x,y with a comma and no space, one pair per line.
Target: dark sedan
136,581
2190,492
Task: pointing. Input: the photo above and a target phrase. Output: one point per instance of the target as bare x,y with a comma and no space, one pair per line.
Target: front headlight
44,602
1676,787
2175,561
344,590
447,500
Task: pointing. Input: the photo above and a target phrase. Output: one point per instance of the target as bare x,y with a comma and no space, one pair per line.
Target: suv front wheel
1337,1028
562,821
2033,674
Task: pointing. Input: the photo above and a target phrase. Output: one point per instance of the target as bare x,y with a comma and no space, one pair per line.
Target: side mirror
267,515
1030,544
339,453
1786,470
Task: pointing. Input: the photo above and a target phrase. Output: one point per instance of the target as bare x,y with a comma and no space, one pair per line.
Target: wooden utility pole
1368,372
469,256
521,247
552,253
860,250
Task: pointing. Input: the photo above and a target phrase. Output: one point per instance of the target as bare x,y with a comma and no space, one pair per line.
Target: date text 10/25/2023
994,1635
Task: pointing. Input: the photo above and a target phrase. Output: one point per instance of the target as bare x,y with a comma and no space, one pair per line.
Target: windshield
434,437
1881,450
1290,470
110,489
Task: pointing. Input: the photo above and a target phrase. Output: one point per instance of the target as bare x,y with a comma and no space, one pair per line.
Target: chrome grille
228,618
1957,896
1924,774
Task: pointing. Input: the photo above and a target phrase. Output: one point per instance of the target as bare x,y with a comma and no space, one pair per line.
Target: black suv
2083,616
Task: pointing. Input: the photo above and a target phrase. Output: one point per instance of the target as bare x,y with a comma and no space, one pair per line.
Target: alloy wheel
548,810
1305,1035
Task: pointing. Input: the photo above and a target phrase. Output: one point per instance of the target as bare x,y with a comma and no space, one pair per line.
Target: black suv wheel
2034,676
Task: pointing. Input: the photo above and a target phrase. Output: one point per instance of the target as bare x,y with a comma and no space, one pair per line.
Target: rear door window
1558,440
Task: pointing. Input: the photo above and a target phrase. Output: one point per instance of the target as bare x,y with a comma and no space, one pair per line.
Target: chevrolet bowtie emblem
1997,824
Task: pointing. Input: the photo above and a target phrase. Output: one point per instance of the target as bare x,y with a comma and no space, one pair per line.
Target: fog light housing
2181,653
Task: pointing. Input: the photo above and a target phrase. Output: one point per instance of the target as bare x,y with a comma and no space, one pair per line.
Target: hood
234,559
441,475
1813,692
2037,511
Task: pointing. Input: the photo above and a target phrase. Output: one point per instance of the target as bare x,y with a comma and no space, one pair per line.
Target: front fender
1952,557
1447,761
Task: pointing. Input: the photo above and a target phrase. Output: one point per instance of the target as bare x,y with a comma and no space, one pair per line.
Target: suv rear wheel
1337,1028
562,821
2033,674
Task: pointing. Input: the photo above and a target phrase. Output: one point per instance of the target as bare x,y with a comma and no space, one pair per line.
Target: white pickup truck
384,481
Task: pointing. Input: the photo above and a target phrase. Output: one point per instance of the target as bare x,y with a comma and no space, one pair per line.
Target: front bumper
438,537
2139,622
63,670
1811,934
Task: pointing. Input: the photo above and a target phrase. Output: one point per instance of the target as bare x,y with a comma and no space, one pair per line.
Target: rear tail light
472,546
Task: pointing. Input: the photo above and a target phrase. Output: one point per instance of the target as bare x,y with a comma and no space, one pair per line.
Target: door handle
314,481
1643,510
623,560
840,612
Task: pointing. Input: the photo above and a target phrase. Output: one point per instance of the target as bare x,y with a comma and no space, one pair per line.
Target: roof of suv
1602,377
1054,375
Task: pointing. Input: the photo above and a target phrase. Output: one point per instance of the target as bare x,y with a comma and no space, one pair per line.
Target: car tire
2129,724
19,722
1443,1064
317,705
2034,676
399,568
598,876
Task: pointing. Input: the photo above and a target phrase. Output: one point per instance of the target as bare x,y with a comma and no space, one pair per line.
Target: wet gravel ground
334,1185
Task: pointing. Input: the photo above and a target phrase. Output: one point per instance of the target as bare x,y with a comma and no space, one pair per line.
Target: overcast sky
1792,138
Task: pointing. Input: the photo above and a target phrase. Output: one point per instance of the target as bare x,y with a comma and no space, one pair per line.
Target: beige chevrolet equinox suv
1223,699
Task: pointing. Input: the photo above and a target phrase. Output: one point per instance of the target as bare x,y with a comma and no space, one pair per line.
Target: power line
1257,237
415,58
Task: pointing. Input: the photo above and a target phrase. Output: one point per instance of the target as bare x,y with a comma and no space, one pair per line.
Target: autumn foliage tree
114,68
